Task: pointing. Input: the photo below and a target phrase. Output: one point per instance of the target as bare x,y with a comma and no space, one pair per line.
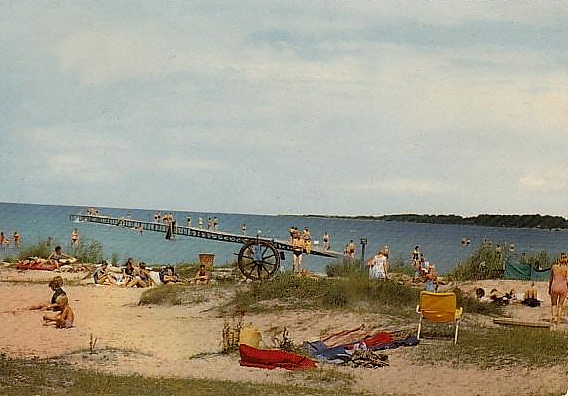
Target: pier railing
192,232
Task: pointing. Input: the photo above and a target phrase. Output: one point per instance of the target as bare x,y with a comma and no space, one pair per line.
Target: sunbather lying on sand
63,320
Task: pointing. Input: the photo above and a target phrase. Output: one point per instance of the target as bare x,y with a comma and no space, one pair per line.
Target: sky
286,107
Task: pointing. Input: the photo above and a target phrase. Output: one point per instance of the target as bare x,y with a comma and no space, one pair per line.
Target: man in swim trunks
297,251
57,255
325,241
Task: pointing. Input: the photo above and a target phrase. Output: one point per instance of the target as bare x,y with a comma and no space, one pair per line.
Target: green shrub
40,249
471,269
343,267
87,251
402,267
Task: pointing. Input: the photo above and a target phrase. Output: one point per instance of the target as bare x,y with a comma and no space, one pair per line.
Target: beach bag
250,336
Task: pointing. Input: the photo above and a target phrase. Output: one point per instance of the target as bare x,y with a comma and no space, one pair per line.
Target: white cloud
403,186
544,182
180,164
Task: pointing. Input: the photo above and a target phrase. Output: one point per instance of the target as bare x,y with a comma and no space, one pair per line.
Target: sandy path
162,341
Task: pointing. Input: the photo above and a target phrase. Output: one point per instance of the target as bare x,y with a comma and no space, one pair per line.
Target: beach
185,341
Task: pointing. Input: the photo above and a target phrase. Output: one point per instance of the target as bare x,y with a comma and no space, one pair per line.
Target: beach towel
271,359
321,351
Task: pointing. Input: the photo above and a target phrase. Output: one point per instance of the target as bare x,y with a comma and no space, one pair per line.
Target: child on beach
63,320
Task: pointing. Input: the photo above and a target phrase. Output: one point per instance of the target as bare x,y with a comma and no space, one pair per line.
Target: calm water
441,244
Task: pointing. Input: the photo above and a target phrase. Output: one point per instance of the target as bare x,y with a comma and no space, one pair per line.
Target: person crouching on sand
63,320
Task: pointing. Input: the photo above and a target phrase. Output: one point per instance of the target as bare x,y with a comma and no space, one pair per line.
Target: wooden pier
194,232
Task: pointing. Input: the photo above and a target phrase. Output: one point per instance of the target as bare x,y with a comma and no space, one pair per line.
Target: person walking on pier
325,241
188,219
307,237
244,229
297,251
351,249
200,222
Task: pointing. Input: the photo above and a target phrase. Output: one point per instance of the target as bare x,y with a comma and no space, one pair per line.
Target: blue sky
286,106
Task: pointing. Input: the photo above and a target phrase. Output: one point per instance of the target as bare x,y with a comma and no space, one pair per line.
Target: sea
440,243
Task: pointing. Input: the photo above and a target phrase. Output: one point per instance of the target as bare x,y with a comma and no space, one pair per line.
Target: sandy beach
185,341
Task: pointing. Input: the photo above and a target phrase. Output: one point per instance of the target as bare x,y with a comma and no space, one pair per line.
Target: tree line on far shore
487,220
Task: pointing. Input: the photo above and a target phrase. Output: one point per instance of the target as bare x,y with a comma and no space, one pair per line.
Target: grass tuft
162,295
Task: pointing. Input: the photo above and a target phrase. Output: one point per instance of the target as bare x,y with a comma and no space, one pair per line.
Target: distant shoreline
537,221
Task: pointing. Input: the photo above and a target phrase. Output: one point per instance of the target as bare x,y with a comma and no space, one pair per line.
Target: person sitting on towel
202,277
102,276
167,275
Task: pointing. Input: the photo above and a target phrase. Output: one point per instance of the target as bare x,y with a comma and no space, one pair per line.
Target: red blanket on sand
271,359
37,265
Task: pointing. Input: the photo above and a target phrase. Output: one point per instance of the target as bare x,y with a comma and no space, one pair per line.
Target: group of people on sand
133,274
5,242
424,270
138,274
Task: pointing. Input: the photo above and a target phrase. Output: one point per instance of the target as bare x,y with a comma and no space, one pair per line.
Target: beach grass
351,292
162,295
495,348
47,378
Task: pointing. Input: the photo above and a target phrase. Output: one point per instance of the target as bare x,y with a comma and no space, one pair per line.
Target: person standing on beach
558,287
2,239
378,266
16,240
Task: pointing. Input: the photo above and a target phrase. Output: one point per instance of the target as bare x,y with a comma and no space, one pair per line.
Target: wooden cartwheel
258,260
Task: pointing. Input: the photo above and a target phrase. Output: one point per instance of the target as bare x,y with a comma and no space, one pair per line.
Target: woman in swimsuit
558,287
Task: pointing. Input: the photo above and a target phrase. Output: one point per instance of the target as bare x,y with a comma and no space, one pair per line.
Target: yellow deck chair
439,308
